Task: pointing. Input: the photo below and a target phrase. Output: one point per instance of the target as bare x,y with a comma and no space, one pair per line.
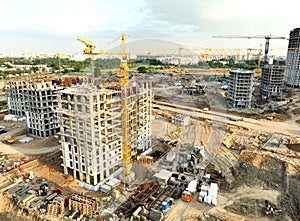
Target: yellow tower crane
126,150
89,45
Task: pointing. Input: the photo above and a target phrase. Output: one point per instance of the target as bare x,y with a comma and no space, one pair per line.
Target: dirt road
10,149
284,128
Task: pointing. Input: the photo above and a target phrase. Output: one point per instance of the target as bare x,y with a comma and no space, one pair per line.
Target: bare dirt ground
241,195
45,150
18,130
294,113
256,169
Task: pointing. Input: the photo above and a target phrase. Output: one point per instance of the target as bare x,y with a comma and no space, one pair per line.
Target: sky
53,25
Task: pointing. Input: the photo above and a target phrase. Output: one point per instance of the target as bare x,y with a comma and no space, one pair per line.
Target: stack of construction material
209,193
105,188
110,185
53,210
155,215
25,140
113,182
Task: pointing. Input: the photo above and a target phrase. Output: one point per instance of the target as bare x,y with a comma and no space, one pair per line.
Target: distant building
292,71
30,55
240,88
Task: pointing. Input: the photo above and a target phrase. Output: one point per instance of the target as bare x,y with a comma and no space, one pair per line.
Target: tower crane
267,37
126,151
89,45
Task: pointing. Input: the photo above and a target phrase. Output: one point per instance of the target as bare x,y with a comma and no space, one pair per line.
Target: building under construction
240,88
35,99
272,81
91,129
292,72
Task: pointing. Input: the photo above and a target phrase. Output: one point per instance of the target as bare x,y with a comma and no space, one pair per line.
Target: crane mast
126,150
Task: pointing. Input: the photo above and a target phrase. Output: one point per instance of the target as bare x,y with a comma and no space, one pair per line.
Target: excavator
9,139
271,117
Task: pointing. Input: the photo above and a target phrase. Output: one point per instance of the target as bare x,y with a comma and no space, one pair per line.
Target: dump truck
188,193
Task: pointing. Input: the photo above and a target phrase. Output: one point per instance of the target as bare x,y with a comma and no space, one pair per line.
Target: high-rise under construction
91,129
36,99
292,71
240,88
272,81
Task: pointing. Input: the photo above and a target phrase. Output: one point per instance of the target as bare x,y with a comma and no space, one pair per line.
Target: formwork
56,208
292,71
240,88
82,204
272,81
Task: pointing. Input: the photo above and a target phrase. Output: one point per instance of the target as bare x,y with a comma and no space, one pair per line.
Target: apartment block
240,88
91,129
35,99
272,81
292,71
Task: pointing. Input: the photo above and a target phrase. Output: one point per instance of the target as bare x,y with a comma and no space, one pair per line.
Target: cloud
59,16
51,20
188,22
196,21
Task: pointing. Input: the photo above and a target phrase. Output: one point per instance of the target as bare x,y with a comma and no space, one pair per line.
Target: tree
97,72
142,69
34,69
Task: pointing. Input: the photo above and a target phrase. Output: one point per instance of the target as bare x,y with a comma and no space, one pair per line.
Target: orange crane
258,55
126,150
267,37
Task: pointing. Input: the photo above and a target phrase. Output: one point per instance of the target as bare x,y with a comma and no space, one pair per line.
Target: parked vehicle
188,193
